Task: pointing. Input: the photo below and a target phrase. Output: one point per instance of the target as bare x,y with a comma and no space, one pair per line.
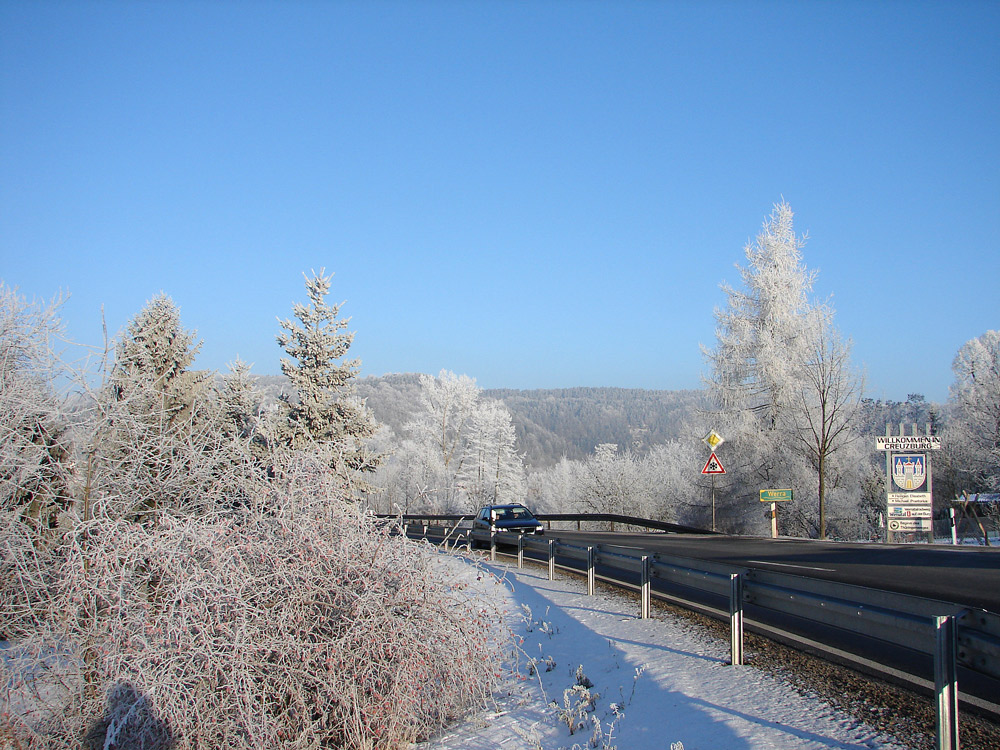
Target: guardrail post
946,681
520,552
644,583
552,559
590,571
736,619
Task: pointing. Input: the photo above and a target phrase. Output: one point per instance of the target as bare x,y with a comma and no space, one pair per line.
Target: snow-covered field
656,684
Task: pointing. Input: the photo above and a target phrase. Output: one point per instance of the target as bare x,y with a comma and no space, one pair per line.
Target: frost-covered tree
493,472
447,404
456,453
762,327
152,365
154,442
780,377
241,409
35,444
324,413
825,403
611,482
670,470
555,489
439,435
972,440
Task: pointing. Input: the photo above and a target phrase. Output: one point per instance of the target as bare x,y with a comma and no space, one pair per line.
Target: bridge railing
948,633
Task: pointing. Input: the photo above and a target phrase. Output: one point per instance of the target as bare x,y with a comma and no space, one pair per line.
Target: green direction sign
775,496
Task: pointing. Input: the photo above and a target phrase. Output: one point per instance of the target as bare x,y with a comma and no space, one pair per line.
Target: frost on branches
787,398
159,589
35,458
456,454
301,626
972,441
324,412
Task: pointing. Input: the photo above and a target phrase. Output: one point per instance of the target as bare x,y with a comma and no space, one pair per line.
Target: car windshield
513,514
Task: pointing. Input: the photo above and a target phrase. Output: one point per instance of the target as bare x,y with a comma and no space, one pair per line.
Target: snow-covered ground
656,684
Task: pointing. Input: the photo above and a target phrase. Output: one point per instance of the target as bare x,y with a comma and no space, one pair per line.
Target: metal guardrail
947,632
611,518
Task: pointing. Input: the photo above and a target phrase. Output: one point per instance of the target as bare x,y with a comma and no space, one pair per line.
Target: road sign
908,443
713,440
775,496
714,466
909,524
909,498
910,511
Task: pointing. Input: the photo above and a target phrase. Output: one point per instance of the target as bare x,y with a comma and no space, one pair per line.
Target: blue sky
537,194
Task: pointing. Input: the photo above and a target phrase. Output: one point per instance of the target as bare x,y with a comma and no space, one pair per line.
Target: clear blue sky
537,194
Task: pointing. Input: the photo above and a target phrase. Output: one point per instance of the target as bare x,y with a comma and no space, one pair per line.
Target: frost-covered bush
286,626
35,453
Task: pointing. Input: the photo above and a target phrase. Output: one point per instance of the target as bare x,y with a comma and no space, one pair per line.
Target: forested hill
569,422
554,423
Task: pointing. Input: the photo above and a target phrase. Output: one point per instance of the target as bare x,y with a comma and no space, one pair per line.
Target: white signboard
909,498
910,511
908,443
909,524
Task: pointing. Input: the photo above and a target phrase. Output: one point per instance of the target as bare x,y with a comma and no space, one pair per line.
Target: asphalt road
965,575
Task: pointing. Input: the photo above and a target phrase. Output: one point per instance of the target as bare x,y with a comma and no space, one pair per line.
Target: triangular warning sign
714,466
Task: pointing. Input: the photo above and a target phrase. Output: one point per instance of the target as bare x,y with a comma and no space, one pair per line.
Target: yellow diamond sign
713,440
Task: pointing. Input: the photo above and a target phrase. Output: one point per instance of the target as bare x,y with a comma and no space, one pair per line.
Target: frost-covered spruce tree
153,360
154,442
325,415
769,371
241,410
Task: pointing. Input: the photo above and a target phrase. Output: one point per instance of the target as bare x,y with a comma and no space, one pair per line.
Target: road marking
789,565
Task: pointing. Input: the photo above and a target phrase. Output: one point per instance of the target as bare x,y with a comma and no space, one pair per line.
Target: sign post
774,497
713,466
909,508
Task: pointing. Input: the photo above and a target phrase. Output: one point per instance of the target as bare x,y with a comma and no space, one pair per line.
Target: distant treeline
570,422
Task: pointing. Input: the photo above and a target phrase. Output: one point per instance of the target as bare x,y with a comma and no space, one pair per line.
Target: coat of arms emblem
909,470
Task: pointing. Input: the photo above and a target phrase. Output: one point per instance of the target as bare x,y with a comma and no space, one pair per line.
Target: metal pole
888,485
736,619
590,571
713,502
644,580
946,681
552,559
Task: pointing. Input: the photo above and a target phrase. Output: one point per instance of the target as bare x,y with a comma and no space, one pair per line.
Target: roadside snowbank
653,684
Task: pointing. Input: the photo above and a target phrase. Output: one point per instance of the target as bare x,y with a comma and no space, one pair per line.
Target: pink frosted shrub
295,627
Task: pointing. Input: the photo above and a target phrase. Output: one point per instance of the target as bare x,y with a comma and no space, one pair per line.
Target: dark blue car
513,517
